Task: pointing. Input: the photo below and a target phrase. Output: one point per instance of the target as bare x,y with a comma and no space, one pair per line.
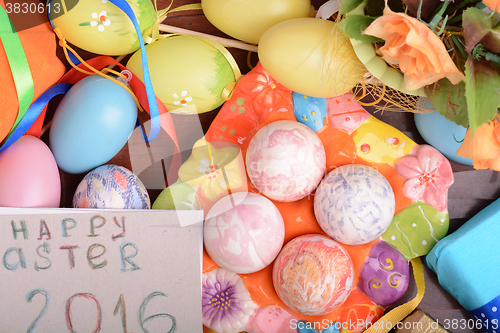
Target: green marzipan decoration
455,107
413,241
354,25
84,24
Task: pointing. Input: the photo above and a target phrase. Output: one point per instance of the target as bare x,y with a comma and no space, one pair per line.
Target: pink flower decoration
428,176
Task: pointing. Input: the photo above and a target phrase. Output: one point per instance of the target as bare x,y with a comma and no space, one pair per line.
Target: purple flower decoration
226,304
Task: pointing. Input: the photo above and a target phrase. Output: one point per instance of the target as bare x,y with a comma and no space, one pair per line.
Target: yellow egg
98,26
188,74
248,20
310,56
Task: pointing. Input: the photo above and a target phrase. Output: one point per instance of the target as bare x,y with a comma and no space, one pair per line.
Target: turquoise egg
443,134
310,111
91,124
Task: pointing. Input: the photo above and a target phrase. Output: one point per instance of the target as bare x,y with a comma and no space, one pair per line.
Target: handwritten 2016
15,257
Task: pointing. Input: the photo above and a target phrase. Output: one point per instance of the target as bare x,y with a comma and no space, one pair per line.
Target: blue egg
443,134
310,111
91,124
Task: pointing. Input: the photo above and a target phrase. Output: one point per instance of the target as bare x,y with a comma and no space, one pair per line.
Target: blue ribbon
153,107
34,111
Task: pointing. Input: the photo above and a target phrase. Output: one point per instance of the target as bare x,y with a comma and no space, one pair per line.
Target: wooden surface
472,191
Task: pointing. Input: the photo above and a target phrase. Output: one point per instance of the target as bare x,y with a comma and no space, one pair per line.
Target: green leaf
449,100
354,25
347,6
476,24
482,90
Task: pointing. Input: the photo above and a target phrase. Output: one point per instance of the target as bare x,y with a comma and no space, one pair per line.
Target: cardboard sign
66,270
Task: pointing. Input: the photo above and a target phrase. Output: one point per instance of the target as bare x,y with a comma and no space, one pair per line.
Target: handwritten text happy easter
38,230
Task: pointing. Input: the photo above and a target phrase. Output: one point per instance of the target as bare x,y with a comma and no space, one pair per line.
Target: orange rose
484,148
409,43
492,4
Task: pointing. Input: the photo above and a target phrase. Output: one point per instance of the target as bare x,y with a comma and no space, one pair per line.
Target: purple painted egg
385,274
285,160
111,187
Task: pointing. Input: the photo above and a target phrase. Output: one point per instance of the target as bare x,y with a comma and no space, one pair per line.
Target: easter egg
248,20
443,134
243,232
178,196
285,160
385,274
310,56
188,74
98,26
28,175
354,204
310,111
111,187
313,275
272,318
91,124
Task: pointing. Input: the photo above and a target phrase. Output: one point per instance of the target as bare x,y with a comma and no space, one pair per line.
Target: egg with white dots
354,204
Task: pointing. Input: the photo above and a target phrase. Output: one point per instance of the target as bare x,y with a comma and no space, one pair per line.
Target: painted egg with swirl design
313,275
385,275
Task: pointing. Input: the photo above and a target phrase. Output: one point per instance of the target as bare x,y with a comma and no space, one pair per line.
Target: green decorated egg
189,74
98,26
179,196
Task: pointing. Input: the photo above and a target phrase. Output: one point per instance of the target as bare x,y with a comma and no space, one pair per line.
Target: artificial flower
427,174
420,54
214,169
492,4
484,148
226,304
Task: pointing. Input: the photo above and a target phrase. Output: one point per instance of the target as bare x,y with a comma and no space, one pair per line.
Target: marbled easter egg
354,204
285,160
111,186
385,274
243,232
313,275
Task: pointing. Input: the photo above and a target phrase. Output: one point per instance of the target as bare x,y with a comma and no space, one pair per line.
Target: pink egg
313,275
29,176
243,232
285,160
272,319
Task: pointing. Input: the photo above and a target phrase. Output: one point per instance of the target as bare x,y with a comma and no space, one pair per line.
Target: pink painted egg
29,176
272,319
313,275
285,160
243,232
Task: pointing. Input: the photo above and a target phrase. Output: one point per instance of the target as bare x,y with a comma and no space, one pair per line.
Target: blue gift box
467,263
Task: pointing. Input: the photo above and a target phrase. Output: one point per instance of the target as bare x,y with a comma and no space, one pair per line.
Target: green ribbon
18,65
